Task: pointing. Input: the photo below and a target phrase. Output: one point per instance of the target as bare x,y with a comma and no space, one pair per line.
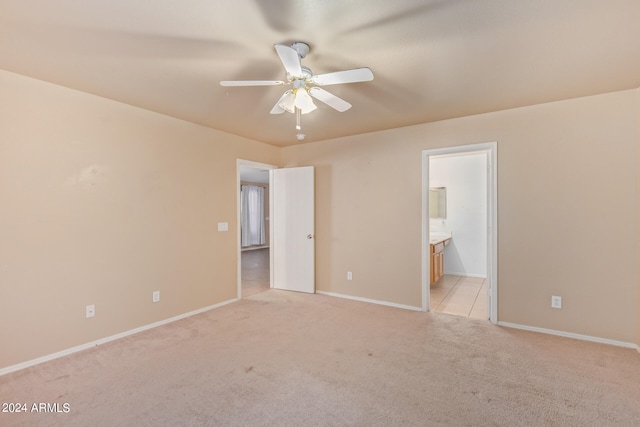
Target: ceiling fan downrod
300,47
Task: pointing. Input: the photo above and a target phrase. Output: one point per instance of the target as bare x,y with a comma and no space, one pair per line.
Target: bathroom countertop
435,238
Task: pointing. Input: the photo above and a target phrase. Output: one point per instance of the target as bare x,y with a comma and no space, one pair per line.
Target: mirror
437,202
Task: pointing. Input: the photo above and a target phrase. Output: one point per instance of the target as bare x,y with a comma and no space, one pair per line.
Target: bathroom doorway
253,184
462,233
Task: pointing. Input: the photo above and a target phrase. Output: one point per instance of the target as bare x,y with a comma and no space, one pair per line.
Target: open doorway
459,231
253,232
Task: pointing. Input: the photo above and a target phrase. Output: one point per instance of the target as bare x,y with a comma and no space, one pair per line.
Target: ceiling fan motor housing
306,72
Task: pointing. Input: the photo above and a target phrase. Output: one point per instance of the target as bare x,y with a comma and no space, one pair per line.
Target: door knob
309,236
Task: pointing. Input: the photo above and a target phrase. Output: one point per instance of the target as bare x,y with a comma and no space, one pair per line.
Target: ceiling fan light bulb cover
288,102
304,101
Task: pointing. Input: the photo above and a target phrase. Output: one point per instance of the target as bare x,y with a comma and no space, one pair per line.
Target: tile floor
460,295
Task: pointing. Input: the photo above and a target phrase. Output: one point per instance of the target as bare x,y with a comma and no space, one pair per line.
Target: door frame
254,165
491,148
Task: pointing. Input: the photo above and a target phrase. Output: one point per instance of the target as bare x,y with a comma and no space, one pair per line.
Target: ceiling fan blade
330,99
290,60
349,76
251,83
278,109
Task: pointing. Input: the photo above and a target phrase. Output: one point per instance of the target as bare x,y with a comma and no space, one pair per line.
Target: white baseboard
101,341
372,301
570,335
479,276
253,248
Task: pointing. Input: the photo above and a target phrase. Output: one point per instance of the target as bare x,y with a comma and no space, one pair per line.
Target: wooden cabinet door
434,268
437,266
437,261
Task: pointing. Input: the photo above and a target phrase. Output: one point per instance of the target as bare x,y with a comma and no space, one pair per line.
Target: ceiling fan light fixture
288,102
303,101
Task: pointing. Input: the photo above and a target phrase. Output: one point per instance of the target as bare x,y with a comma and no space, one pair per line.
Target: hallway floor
255,271
460,295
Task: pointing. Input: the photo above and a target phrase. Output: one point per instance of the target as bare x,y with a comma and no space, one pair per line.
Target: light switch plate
223,226
556,302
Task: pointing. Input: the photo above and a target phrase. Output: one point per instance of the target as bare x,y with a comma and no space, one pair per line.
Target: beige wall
102,203
567,211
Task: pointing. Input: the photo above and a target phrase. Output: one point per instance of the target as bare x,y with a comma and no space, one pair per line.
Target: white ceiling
432,59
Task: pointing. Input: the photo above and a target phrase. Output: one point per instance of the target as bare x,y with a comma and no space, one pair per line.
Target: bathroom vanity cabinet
437,258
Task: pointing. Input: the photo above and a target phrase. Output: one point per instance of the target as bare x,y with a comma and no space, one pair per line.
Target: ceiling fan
305,85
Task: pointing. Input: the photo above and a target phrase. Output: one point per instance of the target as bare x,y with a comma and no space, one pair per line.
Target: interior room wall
103,203
554,162
465,178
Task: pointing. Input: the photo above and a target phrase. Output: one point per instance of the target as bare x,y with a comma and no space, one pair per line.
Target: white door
292,232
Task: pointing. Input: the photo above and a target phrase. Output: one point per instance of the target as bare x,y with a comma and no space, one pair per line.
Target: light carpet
288,359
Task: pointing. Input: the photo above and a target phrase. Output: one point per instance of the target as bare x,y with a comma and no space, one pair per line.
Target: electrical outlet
556,302
349,275
155,297
91,310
